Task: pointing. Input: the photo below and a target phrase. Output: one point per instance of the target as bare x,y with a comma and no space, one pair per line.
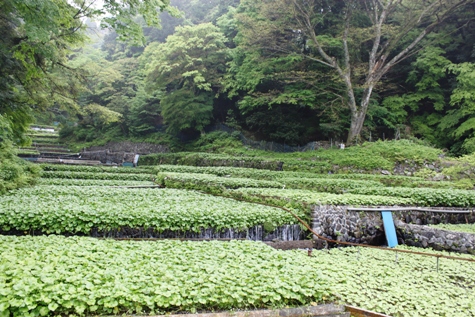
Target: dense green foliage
272,175
290,197
424,196
189,66
97,176
14,172
37,39
211,183
212,65
368,157
408,285
96,169
91,182
208,159
316,189
257,67
107,277
57,275
254,66
78,209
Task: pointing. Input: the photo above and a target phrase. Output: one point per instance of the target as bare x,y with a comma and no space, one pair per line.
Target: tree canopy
37,39
189,68
289,71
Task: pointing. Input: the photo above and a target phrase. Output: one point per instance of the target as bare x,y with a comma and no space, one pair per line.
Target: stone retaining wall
366,227
127,146
107,157
120,152
438,239
336,222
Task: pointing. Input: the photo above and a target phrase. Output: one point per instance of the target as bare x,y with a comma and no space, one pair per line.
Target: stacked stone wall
126,146
427,237
120,152
366,227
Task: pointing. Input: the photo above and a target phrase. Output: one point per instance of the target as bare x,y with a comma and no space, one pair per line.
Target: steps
45,145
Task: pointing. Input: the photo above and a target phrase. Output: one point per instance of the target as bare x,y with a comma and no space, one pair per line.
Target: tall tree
189,67
270,74
362,40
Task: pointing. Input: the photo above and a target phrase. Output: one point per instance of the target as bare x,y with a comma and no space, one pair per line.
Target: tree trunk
428,16
357,120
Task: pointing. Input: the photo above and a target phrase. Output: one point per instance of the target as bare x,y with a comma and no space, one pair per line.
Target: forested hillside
310,124
286,71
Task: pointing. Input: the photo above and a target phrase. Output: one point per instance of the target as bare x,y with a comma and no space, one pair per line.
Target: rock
385,172
438,177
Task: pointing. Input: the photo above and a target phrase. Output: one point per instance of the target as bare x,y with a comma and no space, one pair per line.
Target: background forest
287,71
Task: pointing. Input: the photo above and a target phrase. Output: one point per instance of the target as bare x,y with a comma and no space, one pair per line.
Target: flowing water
257,233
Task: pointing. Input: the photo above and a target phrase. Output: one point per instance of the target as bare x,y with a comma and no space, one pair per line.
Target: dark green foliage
275,83
282,123
205,159
215,141
279,175
145,113
183,109
367,157
15,172
217,184
189,71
